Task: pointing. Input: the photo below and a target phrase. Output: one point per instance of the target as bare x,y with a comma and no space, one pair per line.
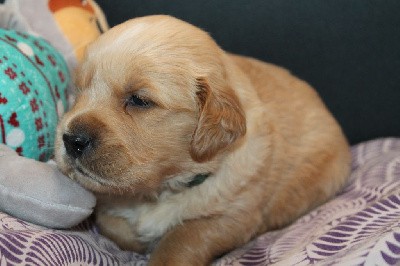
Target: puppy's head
154,102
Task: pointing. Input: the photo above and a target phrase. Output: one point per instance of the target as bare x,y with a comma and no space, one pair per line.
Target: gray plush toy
39,193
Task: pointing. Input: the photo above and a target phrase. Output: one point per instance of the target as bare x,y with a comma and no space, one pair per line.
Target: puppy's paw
120,231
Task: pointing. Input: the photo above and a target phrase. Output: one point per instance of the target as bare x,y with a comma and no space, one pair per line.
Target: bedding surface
361,225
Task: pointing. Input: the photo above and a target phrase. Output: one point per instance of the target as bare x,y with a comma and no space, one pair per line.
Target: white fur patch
126,35
129,34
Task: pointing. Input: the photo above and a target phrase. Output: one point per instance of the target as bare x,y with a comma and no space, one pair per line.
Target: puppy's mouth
85,177
86,174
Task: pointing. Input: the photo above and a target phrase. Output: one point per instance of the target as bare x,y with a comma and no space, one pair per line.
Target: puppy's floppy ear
221,121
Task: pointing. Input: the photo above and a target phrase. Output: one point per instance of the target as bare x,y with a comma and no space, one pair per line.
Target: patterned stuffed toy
34,87
34,79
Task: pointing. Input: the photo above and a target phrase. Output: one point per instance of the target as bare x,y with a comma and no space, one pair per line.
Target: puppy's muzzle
76,145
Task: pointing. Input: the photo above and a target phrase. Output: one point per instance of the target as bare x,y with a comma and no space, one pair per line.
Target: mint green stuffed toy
33,95
33,85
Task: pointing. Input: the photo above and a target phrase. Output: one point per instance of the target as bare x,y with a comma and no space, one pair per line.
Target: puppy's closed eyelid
138,101
145,93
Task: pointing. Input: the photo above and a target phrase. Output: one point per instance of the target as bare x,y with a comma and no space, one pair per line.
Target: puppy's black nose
76,144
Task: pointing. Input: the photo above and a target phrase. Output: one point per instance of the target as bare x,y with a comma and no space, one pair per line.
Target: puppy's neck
180,183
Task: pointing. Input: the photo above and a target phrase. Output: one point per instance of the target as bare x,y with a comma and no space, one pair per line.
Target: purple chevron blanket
361,226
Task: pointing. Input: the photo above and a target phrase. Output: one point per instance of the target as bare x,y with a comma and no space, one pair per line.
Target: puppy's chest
151,220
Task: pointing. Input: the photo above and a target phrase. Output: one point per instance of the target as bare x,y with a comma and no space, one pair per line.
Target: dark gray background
349,50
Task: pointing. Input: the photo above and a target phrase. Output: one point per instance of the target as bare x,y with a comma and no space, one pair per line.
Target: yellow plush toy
86,16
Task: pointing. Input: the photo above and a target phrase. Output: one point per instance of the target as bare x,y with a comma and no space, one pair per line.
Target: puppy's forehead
158,53
157,35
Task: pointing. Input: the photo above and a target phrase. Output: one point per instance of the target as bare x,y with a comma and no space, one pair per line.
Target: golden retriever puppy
193,151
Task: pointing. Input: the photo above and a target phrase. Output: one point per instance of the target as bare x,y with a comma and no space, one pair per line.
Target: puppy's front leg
120,231
198,242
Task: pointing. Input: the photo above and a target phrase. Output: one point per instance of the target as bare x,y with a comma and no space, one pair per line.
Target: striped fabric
361,226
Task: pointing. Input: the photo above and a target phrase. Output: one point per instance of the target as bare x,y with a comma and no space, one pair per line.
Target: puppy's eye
138,102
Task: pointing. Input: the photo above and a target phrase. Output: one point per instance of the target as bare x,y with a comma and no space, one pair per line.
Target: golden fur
273,149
